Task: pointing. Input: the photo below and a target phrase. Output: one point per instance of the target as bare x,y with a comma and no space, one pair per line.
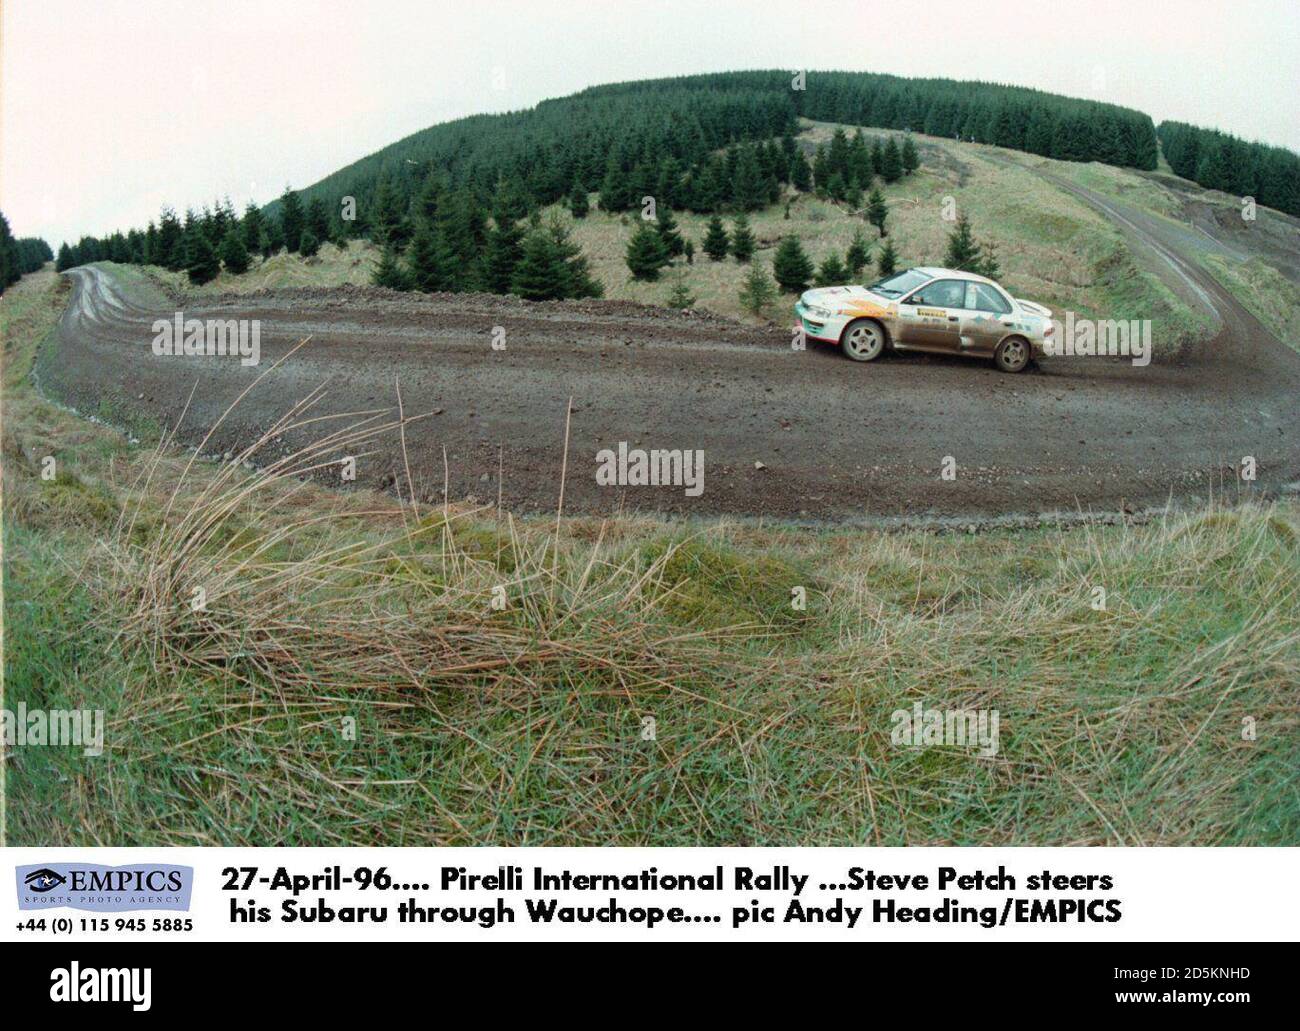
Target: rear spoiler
1034,309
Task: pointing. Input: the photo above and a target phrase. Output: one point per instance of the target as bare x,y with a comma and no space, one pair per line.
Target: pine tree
389,272
463,226
832,271
892,168
539,275
963,251
838,154
391,223
272,238
578,280
742,239
911,160
707,188
716,242
292,220
252,228
308,244
886,263
877,210
667,228
428,205
234,255
32,252
65,260
859,165
748,191
171,241
552,268
877,157
1038,132
1213,168
646,253
579,205
791,266
504,249
10,261
800,172
201,264
615,191
680,296
988,264
429,262
757,292
318,219
856,258
668,182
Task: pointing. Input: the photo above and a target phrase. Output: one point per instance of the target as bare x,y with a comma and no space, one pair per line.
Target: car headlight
819,313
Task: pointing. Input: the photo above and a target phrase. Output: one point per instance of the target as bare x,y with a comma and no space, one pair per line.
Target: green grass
350,683
331,266
1270,296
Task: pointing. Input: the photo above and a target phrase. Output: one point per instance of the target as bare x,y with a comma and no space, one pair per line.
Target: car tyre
863,340
1012,355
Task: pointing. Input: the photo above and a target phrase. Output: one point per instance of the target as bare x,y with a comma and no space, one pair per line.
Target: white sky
112,108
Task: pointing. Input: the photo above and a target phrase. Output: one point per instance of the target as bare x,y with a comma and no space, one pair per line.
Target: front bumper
827,330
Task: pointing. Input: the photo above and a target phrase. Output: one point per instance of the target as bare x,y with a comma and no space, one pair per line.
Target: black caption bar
143,980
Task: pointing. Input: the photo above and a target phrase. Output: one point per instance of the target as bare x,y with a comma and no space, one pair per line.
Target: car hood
837,298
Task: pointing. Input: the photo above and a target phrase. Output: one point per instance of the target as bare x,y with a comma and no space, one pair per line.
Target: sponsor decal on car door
930,319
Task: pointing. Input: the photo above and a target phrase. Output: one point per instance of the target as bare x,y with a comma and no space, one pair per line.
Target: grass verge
348,679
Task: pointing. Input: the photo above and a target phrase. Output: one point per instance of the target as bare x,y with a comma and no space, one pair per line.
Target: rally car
928,309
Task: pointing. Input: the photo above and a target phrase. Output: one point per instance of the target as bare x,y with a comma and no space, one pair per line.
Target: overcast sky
112,108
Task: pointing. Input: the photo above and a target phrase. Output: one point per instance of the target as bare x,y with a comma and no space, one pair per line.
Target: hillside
1051,247
578,138
544,203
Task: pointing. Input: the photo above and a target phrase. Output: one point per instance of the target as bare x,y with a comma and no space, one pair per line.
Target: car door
984,320
929,319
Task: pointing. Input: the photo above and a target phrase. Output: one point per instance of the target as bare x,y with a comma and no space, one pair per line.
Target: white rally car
928,309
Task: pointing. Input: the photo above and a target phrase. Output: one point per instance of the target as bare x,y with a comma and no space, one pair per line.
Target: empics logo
43,880
104,889
75,983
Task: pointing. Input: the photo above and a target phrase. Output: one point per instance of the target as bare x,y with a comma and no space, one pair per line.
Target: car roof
950,273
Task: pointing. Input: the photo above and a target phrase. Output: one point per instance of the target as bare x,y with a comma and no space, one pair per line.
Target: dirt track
837,440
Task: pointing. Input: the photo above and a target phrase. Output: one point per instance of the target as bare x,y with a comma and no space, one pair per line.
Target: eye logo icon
44,880
103,889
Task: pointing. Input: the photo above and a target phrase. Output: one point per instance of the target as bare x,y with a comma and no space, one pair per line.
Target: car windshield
897,285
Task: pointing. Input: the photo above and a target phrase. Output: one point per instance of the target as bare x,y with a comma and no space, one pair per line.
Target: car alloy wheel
1012,355
863,340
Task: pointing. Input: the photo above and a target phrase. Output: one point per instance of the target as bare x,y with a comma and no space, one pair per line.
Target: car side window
942,293
982,297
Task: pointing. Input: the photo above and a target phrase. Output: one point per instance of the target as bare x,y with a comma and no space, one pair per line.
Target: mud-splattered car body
938,310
